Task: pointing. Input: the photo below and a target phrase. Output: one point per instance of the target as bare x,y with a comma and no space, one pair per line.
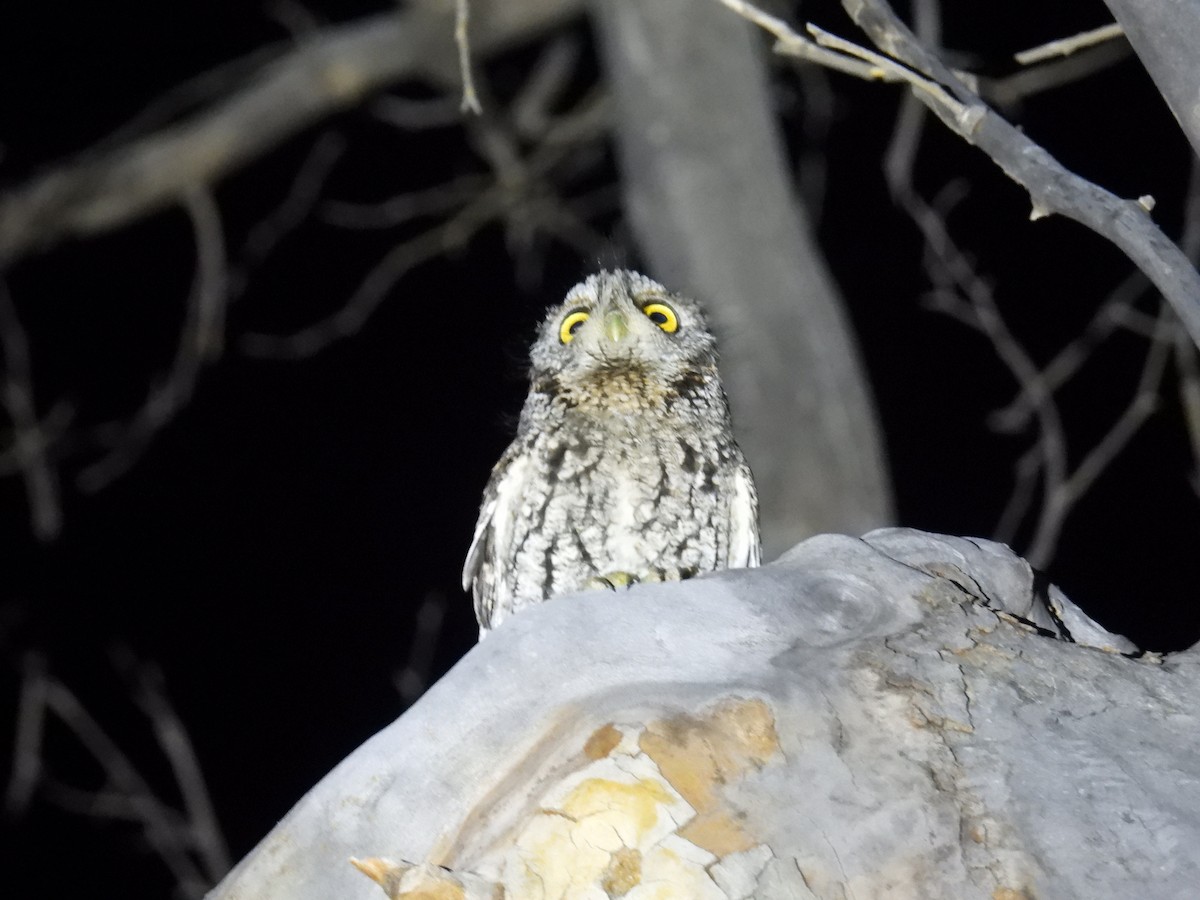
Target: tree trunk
1166,37
710,198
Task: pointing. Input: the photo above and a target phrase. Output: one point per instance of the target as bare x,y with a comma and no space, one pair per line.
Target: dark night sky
272,546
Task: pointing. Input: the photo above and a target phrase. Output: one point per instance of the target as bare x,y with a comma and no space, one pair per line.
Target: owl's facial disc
616,324
616,335
619,336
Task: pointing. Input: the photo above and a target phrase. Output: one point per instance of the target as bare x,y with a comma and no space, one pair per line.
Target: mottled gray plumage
624,465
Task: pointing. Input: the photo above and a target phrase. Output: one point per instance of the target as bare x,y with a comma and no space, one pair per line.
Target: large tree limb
710,199
906,715
328,71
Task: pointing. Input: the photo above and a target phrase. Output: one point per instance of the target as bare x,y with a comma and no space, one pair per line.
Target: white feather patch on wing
502,501
745,547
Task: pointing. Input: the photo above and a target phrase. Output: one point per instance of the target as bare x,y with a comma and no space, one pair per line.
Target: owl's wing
745,547
493,536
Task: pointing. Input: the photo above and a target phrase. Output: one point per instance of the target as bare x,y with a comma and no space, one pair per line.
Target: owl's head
619,333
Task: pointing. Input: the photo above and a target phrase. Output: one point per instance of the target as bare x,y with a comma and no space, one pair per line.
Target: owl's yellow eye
571,324
662,316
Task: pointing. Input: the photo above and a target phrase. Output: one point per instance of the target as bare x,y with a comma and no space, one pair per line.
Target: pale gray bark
710,198
1166,37
905,715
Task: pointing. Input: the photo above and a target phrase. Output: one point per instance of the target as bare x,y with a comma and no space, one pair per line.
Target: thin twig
149,691
30,439
1187,369
790,43
1052,187
201,342
331,70
295,18
302,196
1067,46
160,824
969,298
189,844
1026,473
414,678
406,207
1062,495
1187,365
519,195
416,115
470,100
373,289
531,109
27,755
1053,74
962,293
884,69
1113,313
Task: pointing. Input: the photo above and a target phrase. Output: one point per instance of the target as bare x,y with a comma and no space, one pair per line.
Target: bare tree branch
470,100
1110,316
31,438
405,207
294,16
1052,187
201,343
332,69
792,44
373,289
189,844
301,198
1053,74
1069,45
959,291
966,296
27,741
413,679
1187,365
148,688
518,194
416,115
532,108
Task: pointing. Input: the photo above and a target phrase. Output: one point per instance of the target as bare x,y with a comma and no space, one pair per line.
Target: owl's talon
611,581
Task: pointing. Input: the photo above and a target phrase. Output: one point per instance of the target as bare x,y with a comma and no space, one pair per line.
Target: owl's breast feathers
631,387
648,480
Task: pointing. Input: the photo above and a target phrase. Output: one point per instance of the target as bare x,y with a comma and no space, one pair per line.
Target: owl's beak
615,327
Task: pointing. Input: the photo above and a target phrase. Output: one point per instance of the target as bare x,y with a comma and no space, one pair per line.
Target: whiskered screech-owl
624,466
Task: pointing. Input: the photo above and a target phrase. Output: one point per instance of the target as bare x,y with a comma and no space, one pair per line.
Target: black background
271,548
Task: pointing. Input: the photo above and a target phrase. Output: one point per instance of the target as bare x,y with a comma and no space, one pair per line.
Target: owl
624,467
